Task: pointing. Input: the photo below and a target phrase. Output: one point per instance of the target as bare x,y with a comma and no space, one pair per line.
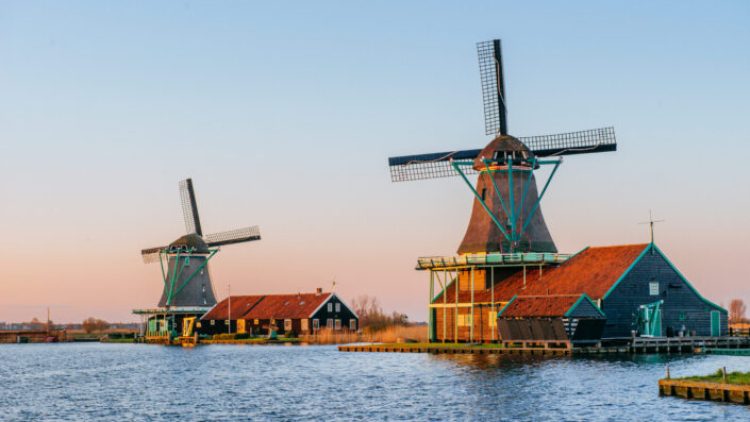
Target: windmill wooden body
187,288
506,232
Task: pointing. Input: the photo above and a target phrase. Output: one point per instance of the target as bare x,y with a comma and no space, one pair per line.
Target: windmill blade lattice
493,87
190,208
584,141
429,166
151,255
246,234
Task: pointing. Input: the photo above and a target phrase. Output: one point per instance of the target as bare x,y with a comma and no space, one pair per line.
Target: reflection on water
136,382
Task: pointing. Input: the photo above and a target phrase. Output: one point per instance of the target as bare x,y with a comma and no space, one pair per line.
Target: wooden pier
701,390
639,345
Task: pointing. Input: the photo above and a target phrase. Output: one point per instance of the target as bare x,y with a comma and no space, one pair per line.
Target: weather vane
651,222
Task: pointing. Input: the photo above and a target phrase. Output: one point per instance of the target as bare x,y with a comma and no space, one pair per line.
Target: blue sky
285,113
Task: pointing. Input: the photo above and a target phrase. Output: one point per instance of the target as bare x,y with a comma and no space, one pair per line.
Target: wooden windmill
188,292
186,277
506,216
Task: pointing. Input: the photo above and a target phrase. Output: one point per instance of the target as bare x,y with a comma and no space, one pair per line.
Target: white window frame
330,307
287,325
353,324
653,288
213,322
337,324
316,324
329,323
338,307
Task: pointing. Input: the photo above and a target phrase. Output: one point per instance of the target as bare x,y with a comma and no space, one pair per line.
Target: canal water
123,382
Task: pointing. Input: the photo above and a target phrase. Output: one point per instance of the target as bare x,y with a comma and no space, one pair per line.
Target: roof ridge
619,246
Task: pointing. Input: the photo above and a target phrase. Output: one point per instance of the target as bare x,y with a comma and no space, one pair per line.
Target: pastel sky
284,114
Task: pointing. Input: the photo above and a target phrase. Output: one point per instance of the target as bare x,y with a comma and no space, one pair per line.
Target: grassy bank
736,378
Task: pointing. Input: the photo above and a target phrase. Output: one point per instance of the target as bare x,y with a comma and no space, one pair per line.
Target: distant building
288,314
635,286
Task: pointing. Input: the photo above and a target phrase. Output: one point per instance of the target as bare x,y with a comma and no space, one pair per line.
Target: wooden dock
638,345
701,390
466,349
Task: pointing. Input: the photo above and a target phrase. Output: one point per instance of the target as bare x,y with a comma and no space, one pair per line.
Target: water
83,382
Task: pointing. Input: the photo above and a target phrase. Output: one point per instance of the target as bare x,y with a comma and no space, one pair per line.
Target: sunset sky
284,114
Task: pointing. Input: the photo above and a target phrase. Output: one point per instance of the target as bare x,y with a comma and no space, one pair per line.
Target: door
715,323
188,325
649,319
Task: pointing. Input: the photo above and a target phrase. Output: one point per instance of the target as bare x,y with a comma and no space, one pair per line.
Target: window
256,322
227,322
330,307
329,323
338,307
682,316
464,320
353,324
304,326
492,316
653,288
212,322
316,324
287,325
338,324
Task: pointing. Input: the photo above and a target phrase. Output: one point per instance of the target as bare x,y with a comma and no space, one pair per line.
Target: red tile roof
240,306
592,271
539,306
292,306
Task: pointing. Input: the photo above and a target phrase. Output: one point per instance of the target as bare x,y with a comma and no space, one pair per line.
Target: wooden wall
682,306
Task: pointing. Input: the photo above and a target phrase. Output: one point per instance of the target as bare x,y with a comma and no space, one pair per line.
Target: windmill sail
431,166
493,87
247,234
190,208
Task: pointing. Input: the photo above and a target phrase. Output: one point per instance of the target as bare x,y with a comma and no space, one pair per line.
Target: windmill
506,216
184,267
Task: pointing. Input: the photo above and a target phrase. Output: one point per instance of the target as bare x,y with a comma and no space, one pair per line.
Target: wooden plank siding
682,305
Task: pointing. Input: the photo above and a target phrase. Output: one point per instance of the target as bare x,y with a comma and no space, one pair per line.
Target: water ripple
83,382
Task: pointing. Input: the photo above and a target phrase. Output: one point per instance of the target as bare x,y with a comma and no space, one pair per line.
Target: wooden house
638,289
287,314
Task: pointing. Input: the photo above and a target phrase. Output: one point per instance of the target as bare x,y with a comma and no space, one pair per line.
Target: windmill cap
498,148
191,242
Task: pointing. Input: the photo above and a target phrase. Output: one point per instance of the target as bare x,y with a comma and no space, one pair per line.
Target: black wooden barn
638,289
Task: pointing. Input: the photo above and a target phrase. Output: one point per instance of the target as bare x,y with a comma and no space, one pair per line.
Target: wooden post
471,327
493,324
430,319
455,320
445,305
